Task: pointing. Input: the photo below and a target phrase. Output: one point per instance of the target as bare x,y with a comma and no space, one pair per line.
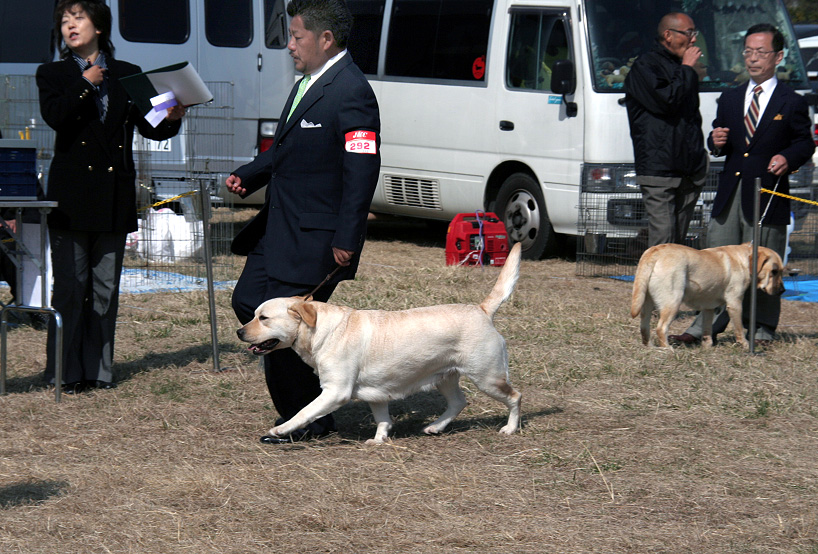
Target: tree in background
803,11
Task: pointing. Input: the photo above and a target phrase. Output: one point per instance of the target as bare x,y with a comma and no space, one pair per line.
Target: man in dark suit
765,131
320,174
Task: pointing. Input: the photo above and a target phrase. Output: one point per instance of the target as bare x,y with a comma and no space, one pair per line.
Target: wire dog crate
170,182
170,238
613,231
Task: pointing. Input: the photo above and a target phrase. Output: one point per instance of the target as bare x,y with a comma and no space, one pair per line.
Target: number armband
361,142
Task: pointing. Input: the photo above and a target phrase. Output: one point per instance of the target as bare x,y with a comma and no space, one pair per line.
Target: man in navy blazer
320,174
780,143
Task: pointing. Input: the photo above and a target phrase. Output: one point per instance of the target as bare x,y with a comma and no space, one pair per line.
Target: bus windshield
620,30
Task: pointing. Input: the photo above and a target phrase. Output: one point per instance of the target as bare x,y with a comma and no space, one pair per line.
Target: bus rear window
161,21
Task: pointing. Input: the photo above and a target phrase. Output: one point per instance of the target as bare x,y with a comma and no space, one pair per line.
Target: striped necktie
302,87
751,119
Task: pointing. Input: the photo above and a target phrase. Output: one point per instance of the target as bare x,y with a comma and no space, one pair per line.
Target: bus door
534,124
228,58
150,42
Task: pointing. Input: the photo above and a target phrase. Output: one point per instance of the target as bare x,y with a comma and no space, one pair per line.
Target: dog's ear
306,312
763,257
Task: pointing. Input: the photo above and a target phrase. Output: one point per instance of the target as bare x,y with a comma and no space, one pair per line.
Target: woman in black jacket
92,177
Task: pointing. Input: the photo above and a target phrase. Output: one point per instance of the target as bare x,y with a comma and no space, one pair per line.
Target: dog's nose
240,333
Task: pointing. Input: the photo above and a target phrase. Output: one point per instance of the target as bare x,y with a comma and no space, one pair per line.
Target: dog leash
767,208
324,282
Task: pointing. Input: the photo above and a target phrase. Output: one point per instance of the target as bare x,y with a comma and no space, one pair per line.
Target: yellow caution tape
781,194
189,193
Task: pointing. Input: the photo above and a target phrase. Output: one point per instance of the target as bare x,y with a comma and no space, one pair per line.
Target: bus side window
138,21
436,39
555,49
536,41
229,24
365,37
25,37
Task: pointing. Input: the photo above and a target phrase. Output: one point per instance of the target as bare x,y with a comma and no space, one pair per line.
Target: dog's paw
376,440
276,432
433,429
508,430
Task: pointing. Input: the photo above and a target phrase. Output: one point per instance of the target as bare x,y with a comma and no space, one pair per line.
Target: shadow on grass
30,492
124,371
412,414
200,354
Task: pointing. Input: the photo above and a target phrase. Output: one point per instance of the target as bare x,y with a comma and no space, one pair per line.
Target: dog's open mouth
263,348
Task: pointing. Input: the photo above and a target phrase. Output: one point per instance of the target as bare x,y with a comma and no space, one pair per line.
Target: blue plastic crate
18,168
17,154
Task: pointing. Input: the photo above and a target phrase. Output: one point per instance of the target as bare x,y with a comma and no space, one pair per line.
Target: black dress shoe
269,439
104,385
685,338
73,388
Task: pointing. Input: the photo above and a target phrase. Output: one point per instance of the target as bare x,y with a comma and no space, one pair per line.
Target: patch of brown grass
623,448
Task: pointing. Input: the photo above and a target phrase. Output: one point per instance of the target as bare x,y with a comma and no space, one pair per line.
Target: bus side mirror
564,81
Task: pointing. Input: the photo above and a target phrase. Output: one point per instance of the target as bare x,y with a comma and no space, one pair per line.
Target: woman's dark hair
99,14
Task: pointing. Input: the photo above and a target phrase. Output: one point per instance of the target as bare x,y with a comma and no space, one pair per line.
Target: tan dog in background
670,274
378,356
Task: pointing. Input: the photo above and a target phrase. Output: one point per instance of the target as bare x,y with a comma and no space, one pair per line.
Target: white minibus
515,106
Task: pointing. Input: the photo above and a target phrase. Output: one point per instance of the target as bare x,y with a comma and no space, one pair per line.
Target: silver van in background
238,48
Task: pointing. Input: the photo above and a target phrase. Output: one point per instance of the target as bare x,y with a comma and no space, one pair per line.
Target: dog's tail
505,283
640,283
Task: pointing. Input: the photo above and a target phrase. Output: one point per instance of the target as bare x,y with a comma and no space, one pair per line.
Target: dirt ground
623,448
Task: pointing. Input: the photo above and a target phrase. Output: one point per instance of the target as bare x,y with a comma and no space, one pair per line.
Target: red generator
476,239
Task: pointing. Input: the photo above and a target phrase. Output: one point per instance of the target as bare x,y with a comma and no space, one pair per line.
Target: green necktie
302,87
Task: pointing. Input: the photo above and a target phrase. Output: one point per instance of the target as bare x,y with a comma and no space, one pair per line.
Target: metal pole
211,293
45,300
3,329
754,263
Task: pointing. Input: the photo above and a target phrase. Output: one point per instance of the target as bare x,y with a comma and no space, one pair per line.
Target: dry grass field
623,448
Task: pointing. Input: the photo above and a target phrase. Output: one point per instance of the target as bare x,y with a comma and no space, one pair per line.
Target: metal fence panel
613,229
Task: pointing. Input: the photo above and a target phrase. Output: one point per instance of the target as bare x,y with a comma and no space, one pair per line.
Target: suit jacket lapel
736,117
315,93
117,97
96,126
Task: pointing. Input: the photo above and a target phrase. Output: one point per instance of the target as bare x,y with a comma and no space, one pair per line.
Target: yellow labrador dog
669,274
377,356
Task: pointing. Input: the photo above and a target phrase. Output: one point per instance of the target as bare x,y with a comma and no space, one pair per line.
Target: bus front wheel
521,207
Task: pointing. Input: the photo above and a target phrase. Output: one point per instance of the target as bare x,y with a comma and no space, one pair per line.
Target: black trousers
291,382
87,267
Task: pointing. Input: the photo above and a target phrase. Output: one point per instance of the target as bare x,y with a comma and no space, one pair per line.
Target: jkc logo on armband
361,142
